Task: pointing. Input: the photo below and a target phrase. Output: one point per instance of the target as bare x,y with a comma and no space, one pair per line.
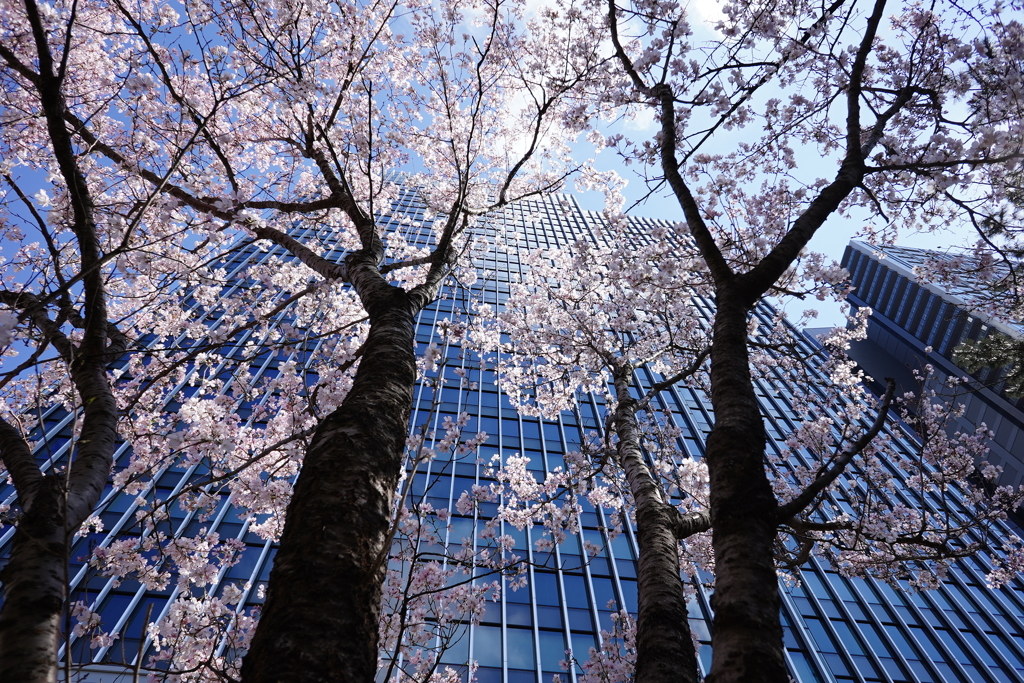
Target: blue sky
830,240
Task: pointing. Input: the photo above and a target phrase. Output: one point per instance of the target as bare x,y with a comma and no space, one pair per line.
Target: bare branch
825,479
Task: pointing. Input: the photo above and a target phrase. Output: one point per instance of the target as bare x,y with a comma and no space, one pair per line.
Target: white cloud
708,12
642,121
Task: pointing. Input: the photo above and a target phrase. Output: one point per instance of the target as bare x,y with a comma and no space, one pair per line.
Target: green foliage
996,351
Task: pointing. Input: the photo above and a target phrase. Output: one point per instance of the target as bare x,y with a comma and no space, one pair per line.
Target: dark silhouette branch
825,479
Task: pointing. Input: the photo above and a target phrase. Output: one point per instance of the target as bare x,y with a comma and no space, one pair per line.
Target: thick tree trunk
746,627
34,579
664,648
34,590
320,621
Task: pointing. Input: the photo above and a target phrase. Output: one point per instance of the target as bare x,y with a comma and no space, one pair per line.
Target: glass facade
836,629
915,323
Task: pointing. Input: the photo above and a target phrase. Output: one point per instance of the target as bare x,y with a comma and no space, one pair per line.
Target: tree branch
855,89
755,282
689,524
662,94
441,259
328,269
398,265
16,64
365,226
953,163
30,304
666,383
749,90
824,480
83,224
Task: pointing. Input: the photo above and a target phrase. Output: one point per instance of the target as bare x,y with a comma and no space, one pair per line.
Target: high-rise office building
836,629
915,323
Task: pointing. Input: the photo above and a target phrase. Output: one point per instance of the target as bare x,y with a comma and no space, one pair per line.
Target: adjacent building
914,323
836,629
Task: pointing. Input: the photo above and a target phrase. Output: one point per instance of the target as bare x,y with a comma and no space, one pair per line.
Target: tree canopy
221,220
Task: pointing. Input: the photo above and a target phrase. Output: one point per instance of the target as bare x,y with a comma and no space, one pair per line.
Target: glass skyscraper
914,323
836,629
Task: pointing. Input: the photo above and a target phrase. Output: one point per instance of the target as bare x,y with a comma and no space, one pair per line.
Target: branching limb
30,304
83,224
854,150
691,523
748,91
920,167
662,94
825,479
441,262
664,384
41,347
325,268
791,559
755,282
342,193
398,265
43,229
802,525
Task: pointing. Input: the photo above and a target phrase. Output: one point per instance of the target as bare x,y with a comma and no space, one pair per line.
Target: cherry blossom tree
59,301
277,121
626,306
899,100
627,311
289,122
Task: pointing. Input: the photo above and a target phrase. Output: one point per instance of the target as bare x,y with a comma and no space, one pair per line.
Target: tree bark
34,590
664,648
746,627
54,506
321,618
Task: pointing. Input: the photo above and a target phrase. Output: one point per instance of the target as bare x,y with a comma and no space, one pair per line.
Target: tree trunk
746,628
321,618
54,506
34,590
664,648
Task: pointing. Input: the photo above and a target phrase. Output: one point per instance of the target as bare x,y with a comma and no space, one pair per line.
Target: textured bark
321,618
34,590
664,648
54,507
746,628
